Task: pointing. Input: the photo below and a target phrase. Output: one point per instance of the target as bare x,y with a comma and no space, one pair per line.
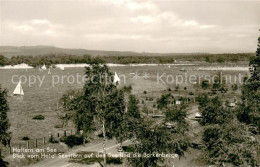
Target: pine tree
249,111
255,65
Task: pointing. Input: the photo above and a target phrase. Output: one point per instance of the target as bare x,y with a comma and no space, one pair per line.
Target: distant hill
10,51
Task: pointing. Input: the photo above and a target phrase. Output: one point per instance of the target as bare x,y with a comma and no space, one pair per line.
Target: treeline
72,59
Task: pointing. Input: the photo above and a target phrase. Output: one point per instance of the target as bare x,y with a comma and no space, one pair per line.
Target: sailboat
18,89
62,68
116,78
49,72
44,67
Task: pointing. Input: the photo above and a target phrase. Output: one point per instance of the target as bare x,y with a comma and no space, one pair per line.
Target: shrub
39,117
114,161
191,93
127,89
145,92
234,87
72,140
58,126
128,148
177,88
25,138
205,84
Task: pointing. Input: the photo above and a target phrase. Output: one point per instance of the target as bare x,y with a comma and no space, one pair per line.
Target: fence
38,142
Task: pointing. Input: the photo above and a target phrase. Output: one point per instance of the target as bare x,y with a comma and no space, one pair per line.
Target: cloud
35,27
133,4
137,25
40,22
169,19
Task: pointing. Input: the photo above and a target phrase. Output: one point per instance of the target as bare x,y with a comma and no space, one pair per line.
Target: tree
77,108
255,65
131,119
4,124
165,100
249,110
99,100
213,111
3,60
156,140
151,138
230,143
177,115
225,139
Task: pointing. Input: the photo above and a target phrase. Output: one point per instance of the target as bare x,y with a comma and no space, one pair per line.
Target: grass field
43,99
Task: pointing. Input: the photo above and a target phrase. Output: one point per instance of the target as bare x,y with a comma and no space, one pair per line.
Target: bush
205,84
25,138
191,93
127,89
128,149
114,161
58,126
72,140
177,88
39,117
52,140
145,92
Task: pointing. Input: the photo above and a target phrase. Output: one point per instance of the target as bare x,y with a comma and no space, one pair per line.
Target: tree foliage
100,100
156,140
4,123
249,111
177,114
212,110
230,143
165,100
226,139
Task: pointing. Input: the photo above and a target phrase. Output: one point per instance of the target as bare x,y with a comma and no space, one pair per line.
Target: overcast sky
212,26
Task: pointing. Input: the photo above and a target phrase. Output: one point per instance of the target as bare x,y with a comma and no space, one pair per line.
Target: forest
50,59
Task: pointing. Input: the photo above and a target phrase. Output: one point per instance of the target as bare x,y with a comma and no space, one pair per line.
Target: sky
176,26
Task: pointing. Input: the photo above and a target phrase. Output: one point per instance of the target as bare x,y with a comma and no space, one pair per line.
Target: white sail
62,68
116,78
44,67
49,72
18,90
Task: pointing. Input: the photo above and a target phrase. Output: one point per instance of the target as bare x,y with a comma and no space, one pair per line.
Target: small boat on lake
43,67
62,68
116,78
18,91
